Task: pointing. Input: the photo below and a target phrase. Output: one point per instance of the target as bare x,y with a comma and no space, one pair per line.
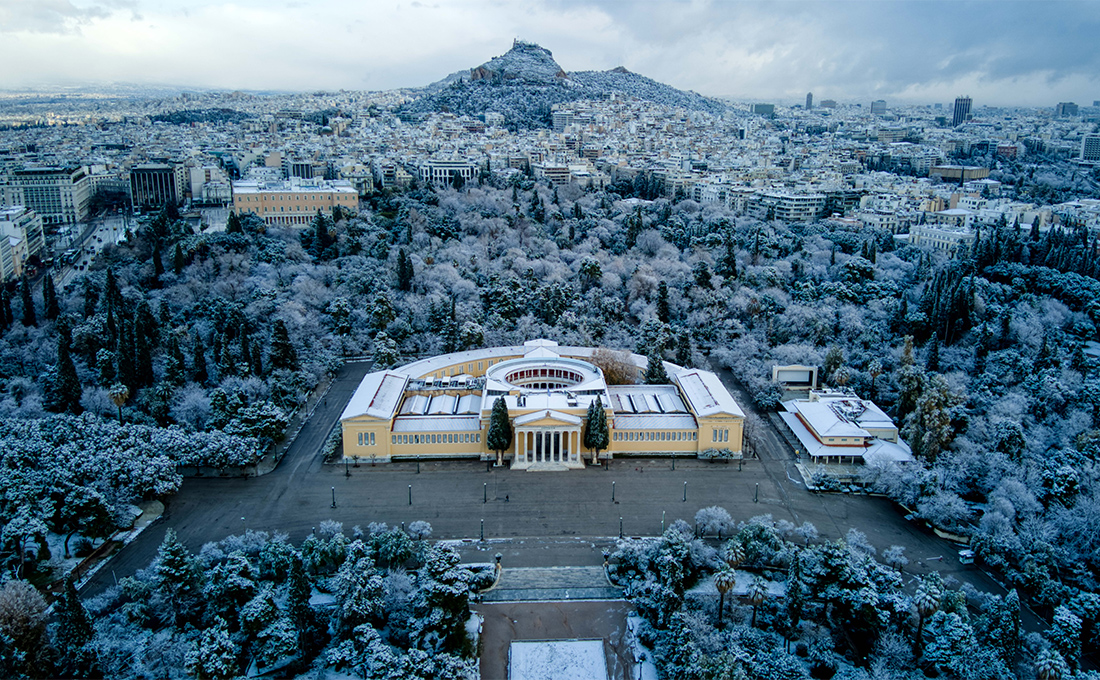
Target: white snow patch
557,660
741,587
643,656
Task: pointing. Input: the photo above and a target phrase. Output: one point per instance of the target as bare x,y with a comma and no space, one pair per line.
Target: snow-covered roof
825,422
377,396
879,450
437,424
706,394
547,414
655,421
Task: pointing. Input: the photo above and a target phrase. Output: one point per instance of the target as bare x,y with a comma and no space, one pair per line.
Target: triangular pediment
547,417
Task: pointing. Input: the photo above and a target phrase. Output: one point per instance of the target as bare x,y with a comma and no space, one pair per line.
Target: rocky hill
525,83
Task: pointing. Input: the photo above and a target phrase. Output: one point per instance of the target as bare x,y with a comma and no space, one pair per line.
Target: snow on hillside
525,83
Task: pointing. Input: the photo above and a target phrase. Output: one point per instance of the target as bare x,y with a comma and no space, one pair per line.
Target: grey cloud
46,16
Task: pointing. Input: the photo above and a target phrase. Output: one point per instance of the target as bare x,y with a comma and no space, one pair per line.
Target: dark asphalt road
549,519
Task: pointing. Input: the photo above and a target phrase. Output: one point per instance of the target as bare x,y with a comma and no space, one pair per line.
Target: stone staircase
552,583
547,467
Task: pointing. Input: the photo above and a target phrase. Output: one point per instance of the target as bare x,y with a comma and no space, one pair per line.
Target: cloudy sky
1001,52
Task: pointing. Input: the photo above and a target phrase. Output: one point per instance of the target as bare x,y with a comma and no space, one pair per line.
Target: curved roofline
440,361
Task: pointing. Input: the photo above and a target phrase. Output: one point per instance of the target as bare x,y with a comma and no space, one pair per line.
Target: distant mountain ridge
524,83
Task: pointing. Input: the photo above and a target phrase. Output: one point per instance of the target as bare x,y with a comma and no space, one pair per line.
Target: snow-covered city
701,358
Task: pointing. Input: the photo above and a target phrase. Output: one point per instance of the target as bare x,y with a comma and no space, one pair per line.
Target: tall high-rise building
155,185
1065,109
878,107
1090,148
962,111
809,100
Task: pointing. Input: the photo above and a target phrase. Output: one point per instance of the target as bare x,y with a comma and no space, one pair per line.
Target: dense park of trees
774,601
983,358
375,603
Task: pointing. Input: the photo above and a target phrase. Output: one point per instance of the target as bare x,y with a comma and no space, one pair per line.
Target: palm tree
757,591
1050,665
119,393
927,601
724,580
735,553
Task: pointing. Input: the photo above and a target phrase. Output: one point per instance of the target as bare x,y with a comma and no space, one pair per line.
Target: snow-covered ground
741,588
557,660
643,656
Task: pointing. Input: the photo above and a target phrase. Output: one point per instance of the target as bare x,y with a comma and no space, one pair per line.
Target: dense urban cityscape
858,339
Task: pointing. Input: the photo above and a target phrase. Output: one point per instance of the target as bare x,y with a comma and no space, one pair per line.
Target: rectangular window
372,439
393,439
479,365
360,439
416,439
714,435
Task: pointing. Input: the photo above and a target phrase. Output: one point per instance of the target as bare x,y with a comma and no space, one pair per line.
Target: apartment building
59,195
21,237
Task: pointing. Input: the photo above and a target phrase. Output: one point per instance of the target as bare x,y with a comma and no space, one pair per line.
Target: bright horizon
1016,53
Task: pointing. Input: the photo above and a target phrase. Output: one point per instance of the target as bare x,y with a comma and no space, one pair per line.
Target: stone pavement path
552,583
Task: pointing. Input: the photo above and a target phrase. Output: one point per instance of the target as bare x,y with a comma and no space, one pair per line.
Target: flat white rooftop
556,660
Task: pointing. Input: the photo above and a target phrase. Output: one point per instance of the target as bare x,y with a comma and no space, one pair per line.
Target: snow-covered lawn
741,589
557,660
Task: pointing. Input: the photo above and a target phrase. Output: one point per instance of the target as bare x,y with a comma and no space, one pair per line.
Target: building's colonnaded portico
440,408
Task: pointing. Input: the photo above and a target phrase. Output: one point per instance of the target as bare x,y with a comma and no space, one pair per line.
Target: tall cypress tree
198,361
596,436
125,354
257,360
6,318
246,351
74,631
174,368
499,436
158,265
143,357
49,298
177,260
29,316
63,394
232,224
655,371
282,354
91,297
662,302
111,291
404,271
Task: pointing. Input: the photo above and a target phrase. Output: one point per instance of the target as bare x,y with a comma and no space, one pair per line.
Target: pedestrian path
552,583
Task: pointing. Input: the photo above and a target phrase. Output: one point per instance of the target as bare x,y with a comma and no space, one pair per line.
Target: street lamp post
485,493
685,492
756,494
334,496
620,527
483,529
662,522
410,494
347,472
612,492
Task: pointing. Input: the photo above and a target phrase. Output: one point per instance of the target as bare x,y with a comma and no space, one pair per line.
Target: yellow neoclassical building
440,408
